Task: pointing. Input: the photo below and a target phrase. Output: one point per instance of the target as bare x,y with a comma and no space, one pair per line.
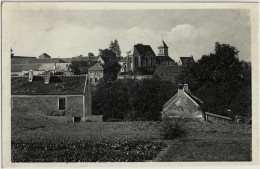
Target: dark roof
44,55
169,69
66,60
144,49
163,58
25,67
35,60
85,58
163,45
187,60
23,57
109,59
59,85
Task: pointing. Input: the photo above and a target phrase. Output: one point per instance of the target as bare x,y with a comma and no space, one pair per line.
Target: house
163,59
171,73
183,104
95,73
186,60
141,56
44,56
67,97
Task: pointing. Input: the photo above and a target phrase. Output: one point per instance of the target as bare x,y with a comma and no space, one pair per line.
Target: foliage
114,46
106,53
111,69
130,99
172,128
75,65
220,81
90,54
83,150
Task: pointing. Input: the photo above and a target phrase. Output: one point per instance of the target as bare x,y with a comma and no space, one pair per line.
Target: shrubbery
172,128
132,99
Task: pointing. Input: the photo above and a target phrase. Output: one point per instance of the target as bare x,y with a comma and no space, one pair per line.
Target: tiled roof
59,85
96,67
25,67
144,49
163,58
187,60
169,69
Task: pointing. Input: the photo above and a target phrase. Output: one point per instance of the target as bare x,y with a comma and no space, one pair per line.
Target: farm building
182,104
95,73
68,97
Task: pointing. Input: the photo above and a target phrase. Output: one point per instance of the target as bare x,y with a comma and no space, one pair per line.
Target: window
95,79
90,79
62,103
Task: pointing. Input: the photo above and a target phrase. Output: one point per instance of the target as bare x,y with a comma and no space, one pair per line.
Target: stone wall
49,105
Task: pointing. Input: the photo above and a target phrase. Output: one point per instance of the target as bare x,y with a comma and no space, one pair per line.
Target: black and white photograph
115,82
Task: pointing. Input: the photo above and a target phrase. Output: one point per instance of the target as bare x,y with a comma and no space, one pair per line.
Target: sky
69,33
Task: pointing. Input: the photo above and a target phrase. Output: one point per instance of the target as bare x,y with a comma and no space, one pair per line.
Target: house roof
96,67
144,49
163,45
44,55
163,58
85,58
23,57
59,85
38,66
187,60
109,59
25,67
169,69
67,60
35,60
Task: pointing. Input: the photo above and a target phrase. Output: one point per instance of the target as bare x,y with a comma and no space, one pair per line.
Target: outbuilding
65,96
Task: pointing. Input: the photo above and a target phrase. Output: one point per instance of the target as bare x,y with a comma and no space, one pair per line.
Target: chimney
180,88
30,79
186,88
47,77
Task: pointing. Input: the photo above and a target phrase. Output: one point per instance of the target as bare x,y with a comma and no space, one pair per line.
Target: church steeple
163,49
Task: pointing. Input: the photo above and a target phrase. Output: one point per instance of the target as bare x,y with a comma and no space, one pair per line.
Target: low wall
214,118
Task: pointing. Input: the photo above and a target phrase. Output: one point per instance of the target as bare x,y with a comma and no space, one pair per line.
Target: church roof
144,49
187,60
163,58
163,45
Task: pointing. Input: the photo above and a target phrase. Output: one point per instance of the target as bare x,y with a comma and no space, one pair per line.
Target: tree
114,46
106,53
90,54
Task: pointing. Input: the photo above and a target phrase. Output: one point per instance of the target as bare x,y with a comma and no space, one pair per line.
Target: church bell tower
163,49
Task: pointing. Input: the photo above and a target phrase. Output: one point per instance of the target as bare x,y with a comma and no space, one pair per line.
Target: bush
129,99
172,128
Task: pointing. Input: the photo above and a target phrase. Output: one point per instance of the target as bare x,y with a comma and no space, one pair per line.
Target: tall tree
114,46
90,54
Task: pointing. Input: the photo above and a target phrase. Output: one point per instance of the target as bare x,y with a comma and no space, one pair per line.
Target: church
163,59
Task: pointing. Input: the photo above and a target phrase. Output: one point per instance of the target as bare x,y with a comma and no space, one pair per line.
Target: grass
37,138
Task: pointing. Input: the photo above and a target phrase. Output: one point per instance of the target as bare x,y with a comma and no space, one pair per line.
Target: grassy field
37,138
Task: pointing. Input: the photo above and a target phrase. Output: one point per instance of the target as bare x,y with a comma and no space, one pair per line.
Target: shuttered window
62,103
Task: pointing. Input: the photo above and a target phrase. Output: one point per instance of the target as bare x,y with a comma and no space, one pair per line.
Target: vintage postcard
88,84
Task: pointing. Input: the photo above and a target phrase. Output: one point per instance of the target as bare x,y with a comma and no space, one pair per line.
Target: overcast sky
68,33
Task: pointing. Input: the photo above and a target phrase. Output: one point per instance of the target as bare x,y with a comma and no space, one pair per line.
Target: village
155,85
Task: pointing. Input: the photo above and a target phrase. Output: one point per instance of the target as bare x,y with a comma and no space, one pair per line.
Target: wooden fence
214,118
